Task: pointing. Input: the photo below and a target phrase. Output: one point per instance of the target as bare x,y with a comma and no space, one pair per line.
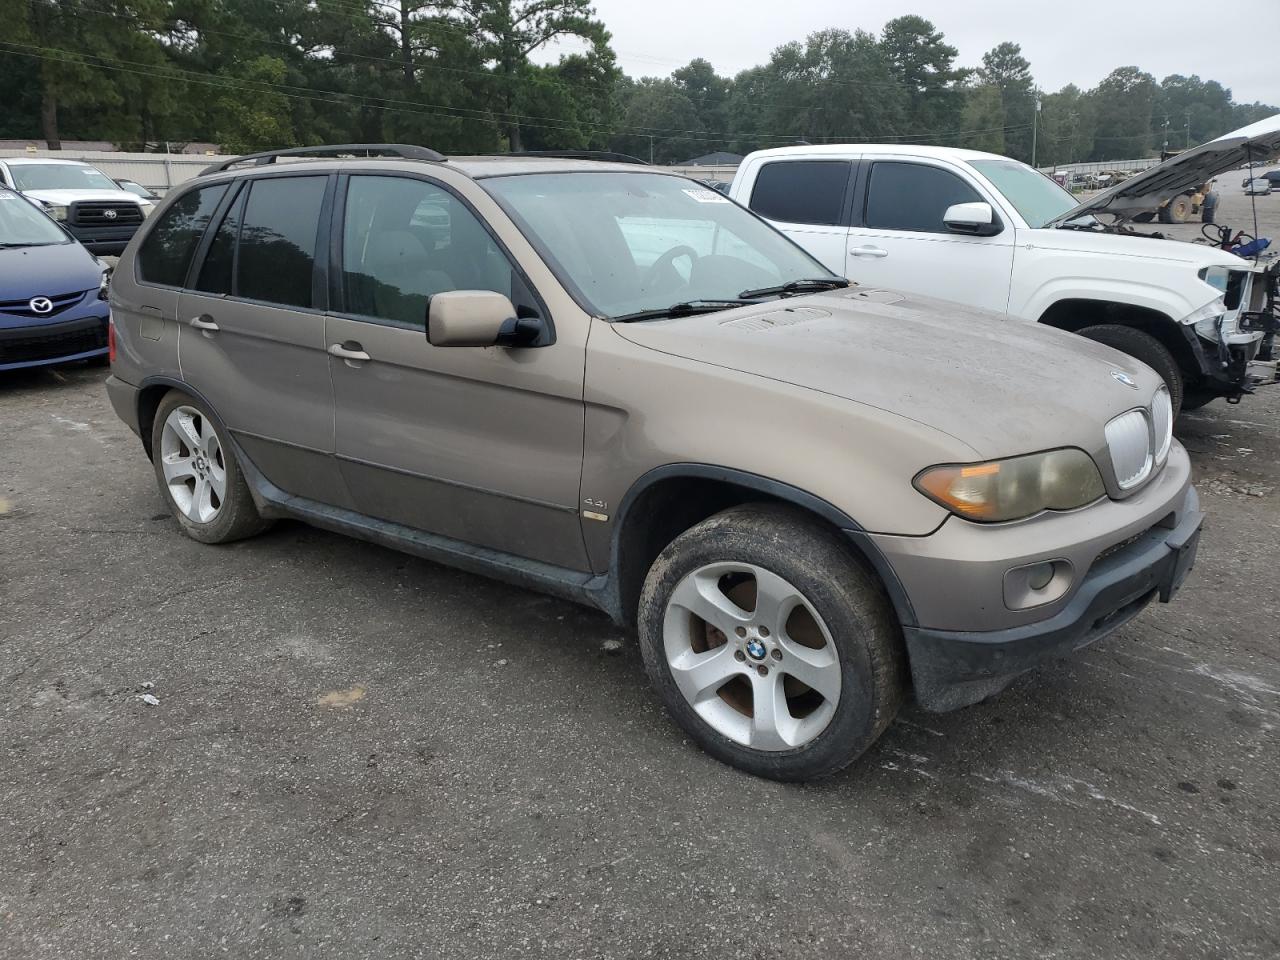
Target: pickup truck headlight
104,285
1015,488
56,210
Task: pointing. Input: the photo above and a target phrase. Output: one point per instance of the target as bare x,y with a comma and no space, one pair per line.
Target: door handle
205,322
870,252
349,351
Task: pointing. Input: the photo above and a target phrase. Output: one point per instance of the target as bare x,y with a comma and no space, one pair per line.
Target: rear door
809,201
482,445
252,331
898,239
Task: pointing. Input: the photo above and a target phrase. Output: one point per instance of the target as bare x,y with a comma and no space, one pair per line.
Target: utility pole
1165,149
1188,129
651,150
1035,123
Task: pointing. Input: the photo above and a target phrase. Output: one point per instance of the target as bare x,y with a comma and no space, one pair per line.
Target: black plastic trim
854,531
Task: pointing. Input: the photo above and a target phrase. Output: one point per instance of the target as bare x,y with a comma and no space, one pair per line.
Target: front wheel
1142,346
770,645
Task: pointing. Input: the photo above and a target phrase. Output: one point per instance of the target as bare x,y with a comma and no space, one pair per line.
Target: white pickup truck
990,232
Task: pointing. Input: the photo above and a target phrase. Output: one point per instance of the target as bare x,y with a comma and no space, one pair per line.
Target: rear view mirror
478,318
974,219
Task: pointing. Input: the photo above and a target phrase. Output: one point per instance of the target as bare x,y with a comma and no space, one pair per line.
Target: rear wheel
198,474
1142,346
770,645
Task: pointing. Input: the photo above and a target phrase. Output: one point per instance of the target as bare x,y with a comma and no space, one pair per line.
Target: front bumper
104,241
954,669
31,344
966,642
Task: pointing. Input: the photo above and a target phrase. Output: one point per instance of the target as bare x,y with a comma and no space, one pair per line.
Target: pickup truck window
913,196
1036,198
802,191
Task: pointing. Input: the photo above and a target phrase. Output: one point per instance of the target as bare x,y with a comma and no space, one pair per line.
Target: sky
1162,37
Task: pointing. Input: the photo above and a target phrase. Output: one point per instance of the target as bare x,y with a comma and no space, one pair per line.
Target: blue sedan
53,292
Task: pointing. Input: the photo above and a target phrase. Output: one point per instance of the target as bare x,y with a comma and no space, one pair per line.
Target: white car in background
1257,187
82,198
990,232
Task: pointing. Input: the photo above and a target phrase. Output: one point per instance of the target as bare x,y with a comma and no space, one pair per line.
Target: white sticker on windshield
704,195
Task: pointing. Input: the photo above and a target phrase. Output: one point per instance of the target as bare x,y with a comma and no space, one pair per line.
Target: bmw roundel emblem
755,649
40,304
1124,378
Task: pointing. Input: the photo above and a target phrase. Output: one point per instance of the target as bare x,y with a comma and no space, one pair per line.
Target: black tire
237,516
859,618
1177,210
1165,215
1142,346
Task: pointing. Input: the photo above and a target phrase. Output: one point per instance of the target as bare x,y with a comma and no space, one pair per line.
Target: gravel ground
1235,209
360,754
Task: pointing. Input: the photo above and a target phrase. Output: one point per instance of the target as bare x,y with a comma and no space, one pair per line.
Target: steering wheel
664,262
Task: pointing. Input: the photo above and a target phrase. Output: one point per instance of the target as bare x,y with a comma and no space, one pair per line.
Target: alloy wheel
195,471
752,656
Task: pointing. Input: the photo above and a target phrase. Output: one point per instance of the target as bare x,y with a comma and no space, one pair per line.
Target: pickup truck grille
57,303
105,213
1129,440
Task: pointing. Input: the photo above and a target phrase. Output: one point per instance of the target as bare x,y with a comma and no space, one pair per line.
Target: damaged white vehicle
990,232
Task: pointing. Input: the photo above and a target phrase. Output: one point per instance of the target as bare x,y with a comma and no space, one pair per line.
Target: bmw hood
61,268
1258,143
1002,387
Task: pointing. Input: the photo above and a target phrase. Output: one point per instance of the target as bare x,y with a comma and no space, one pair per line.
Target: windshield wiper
806,285
10,245
684,309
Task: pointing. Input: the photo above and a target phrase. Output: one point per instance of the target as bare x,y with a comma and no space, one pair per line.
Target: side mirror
478,318
974,219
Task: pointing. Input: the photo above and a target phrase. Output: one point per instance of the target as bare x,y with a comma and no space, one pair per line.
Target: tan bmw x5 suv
618,386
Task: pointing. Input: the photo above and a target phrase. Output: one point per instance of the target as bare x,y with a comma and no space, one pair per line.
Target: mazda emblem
40,305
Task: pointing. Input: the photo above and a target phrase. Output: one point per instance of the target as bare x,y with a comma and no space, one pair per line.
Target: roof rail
604,155
405,151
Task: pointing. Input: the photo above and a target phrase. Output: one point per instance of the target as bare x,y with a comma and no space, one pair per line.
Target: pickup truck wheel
773,649
199,477
1142,346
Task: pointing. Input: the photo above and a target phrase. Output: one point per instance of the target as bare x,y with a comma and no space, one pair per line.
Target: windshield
59,176
630,242
22,225
1037,198
136,189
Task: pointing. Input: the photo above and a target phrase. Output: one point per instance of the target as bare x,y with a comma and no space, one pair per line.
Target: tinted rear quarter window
277,251
913,196
165,255
802,191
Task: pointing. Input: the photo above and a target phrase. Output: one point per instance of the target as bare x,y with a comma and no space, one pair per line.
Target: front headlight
104,286
1015,488
56,210
147,208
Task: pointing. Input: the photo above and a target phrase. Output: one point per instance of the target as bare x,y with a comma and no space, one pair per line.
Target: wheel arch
1073,314
669,500
150,392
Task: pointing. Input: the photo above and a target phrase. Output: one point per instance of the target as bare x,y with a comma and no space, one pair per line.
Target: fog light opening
1039,576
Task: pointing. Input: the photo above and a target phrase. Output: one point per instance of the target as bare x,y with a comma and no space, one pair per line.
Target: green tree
1005,68
506,32
923,64
1123,104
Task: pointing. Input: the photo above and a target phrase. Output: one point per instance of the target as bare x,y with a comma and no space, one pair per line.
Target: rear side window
913,196
165,255
802,191
216,271
275,262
